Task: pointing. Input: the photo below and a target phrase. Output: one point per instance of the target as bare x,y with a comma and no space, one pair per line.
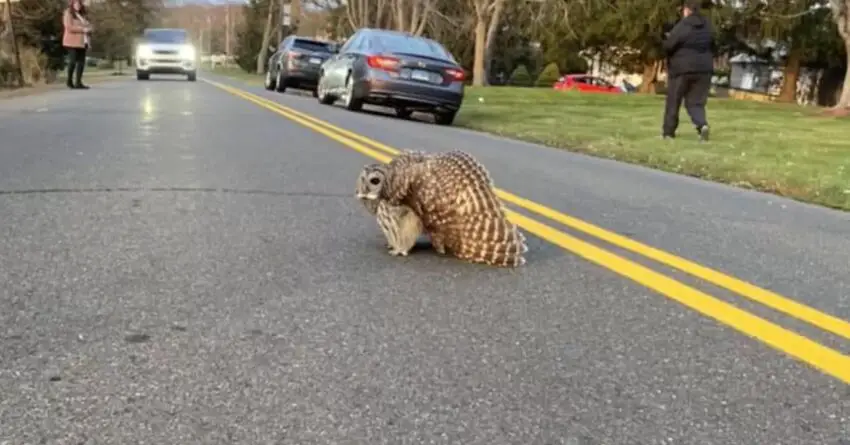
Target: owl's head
371,182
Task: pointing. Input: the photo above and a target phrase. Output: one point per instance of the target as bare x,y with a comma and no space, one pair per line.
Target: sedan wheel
280,83
351,102
322,93
403,113
268,83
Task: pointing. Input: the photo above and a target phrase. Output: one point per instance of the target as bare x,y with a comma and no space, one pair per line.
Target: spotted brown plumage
454,197
399,224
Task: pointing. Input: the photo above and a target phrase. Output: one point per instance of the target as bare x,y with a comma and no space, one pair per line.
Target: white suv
165,51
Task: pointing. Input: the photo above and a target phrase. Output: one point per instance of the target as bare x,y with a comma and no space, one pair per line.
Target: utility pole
15,44
227,35
290,16
209,33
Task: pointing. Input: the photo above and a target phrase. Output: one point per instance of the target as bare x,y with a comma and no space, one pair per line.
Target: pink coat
74,35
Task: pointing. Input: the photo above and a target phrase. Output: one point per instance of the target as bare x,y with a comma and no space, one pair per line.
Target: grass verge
787,150
782,149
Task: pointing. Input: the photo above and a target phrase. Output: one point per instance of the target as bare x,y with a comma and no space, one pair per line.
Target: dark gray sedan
393,69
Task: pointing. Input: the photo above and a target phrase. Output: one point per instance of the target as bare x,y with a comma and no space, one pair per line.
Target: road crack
176,189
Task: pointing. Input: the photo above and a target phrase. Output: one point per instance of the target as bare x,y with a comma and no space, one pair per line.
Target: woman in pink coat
76,40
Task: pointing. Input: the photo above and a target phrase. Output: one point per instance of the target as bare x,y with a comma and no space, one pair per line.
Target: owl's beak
359,195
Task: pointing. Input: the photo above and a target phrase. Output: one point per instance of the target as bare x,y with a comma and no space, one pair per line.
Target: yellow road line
821,357
765,297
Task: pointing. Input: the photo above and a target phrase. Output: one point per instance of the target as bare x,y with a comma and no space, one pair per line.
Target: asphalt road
182,266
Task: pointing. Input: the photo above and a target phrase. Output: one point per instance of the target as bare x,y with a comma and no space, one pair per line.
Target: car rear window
166,35
311,45
398,43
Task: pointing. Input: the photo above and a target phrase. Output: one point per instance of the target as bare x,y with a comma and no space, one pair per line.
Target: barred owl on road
454,198
400,225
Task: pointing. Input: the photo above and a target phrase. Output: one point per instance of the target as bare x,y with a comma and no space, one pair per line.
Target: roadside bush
34,63
520,77
548,76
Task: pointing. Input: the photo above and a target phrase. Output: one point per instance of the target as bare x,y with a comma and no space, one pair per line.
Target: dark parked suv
296,63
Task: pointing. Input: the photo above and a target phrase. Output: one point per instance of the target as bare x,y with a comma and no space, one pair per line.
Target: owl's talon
439,248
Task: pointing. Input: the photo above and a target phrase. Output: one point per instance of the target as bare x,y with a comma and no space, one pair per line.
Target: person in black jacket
690,65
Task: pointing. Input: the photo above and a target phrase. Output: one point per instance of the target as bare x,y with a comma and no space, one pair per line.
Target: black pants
693,89
76,63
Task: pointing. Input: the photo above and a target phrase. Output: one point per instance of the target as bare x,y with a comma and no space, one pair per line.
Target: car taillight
455,74
383,63
290,58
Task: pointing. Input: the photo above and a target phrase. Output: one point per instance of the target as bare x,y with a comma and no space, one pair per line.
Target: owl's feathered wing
454,197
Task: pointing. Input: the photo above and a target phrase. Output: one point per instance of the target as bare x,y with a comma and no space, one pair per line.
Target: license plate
420,75
315,60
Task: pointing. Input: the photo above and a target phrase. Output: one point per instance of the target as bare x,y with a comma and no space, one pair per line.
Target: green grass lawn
783,149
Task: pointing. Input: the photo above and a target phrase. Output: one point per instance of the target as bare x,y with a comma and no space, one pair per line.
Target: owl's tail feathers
493,240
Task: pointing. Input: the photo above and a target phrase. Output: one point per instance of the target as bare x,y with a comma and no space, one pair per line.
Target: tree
411,15
841,15
812,39
263,51
548,76
488,15
117,23
368,13
38,25
520,77
250,34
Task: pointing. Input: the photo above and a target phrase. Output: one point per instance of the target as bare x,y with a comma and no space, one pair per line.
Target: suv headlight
143,52
187,52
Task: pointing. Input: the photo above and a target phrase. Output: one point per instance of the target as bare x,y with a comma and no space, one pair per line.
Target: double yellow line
828,360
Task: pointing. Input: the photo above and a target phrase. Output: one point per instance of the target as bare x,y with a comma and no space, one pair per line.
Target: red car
586,84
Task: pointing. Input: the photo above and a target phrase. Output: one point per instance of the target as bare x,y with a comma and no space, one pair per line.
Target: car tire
403,113
280,83
191,77
445,117
141,75
268,82
322,93
351,103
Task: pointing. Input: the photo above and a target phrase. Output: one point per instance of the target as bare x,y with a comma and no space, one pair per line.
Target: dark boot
78,76
70,75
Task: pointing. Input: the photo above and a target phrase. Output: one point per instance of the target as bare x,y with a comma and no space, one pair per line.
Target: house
759,78
752,77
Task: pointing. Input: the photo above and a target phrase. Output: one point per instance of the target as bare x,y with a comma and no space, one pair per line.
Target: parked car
586,83
296,63
394,69
165,51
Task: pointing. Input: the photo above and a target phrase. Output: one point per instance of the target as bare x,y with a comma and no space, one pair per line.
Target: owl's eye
375,181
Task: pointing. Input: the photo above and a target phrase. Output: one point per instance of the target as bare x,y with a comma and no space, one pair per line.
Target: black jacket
689,46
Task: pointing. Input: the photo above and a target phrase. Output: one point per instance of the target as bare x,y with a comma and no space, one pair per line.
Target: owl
400,224
453,195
